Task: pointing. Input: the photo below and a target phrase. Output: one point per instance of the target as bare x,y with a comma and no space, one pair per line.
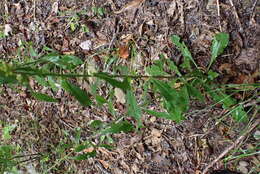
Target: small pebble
243,163
243,169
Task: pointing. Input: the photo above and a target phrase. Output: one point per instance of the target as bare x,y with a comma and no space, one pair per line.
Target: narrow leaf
43,97
63,61
195,92
123,126
133,108
124,85
159,114
85,156
78,93
185,52
219,43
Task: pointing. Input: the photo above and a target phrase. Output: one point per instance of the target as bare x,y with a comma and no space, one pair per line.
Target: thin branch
238,141
236,15
219,21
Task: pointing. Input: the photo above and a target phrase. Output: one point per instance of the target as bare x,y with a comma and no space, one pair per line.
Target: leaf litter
162,146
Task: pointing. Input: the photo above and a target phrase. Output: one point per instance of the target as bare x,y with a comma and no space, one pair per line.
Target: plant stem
94,75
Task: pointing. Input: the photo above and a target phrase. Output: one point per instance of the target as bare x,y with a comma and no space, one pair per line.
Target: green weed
173,88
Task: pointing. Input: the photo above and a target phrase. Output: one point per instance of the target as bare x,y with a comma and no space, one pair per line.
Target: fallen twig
236,15
226,151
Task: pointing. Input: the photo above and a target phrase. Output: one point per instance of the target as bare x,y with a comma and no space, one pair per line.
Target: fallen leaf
88,150
7,30
86,45
55,8
124,51
120,96
104,163
130,5
244,79
249,57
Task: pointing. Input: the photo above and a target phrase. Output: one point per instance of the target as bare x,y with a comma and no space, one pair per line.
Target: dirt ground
162,146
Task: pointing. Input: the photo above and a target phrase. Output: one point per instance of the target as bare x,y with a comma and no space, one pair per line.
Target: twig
219,21
238,141
236,15
253,9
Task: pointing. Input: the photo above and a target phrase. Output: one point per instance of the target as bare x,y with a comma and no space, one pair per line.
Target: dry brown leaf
104,163
88,150
130,5
124,51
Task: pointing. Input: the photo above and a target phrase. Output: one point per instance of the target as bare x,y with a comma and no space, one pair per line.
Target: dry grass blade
130,5
238,141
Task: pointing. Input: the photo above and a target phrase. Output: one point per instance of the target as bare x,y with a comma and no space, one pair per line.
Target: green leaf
123,126
43,97
133,108
193,91
32,51
239,114
41,80
212,75
155,70
63,61
183,99
219,43
165,89
175,115
96,124
173,67
175,102
85,156
159,114
7,130
78,93
118,84
83,146
100,100
185,52
5,79
220,97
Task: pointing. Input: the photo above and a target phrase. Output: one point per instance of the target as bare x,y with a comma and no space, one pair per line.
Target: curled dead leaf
130,5
88,150
124,51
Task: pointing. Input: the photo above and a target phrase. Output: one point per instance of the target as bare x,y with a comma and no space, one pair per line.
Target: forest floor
114,34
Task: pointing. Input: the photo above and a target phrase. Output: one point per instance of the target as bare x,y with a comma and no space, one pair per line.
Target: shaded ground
162,146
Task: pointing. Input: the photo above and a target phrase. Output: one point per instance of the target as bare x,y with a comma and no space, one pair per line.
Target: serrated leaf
219,43
123,126
133,108
78,93
185,52
124,85
43,97
85,156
